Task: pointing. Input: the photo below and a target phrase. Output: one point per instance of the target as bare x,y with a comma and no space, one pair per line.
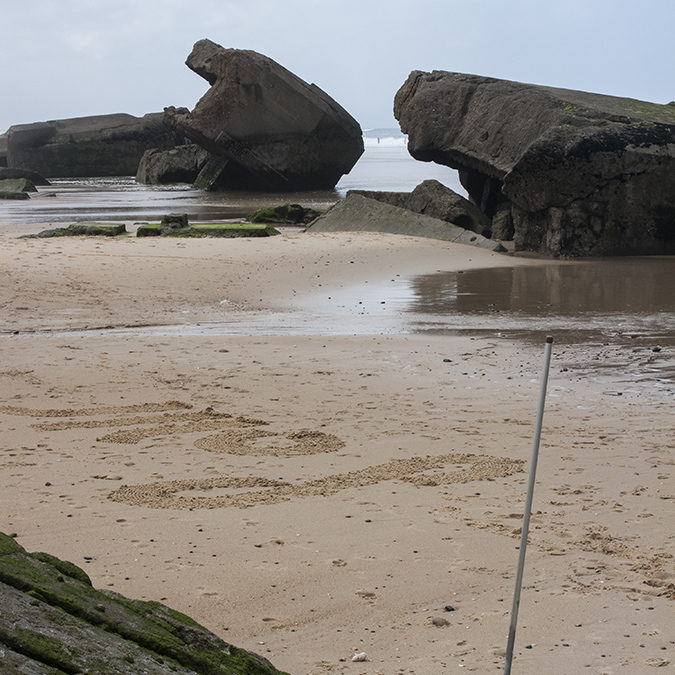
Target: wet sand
312,496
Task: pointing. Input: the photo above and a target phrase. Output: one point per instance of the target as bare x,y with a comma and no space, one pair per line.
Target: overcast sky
69,58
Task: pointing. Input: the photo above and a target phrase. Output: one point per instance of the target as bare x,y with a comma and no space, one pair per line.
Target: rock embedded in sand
573,173
439,622
271,129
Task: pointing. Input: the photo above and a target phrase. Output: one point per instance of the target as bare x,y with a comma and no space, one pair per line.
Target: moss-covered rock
17,185
289,214
228,230
63,566
149,230
54,621
14,195
174,221
9,545
82,229
32,176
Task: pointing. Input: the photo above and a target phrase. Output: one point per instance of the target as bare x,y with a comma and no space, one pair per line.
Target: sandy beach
313,496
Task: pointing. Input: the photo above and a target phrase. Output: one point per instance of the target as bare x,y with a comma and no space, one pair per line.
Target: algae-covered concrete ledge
53,620
16,187
208,230
13,195
90,229
285,214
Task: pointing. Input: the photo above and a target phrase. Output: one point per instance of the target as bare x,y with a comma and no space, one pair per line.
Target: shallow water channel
622,307
609,299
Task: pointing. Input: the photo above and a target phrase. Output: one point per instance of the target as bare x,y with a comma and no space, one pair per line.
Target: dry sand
310,497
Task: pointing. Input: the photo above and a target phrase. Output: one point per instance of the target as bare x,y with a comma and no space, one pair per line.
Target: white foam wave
386,141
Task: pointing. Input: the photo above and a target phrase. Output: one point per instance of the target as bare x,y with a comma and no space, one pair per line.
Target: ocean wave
387,141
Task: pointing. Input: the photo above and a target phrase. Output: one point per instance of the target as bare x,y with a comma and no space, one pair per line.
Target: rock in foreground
54,621
572,173
100,145
4,194
273,130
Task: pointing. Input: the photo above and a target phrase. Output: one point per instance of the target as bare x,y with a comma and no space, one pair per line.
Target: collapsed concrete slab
357,213
99,145
33,177
181,164
273,130
569,172
434,199
3,150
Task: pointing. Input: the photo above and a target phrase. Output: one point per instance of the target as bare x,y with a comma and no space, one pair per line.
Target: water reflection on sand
610,300
619,311
123,200
607,286
600,298
627,302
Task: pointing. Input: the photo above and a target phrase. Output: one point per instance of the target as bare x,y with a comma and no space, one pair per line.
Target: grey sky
68,58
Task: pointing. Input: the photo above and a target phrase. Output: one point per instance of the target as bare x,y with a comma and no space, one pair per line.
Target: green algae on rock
54,621
208,230
290,214
81,229
14,195
229,230
149,230
17,185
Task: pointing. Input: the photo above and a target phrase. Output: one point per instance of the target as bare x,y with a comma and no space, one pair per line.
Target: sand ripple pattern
102,410
175,494
194,416
132,436
302,442
243,436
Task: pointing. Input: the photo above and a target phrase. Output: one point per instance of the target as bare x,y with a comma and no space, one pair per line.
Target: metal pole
528,507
